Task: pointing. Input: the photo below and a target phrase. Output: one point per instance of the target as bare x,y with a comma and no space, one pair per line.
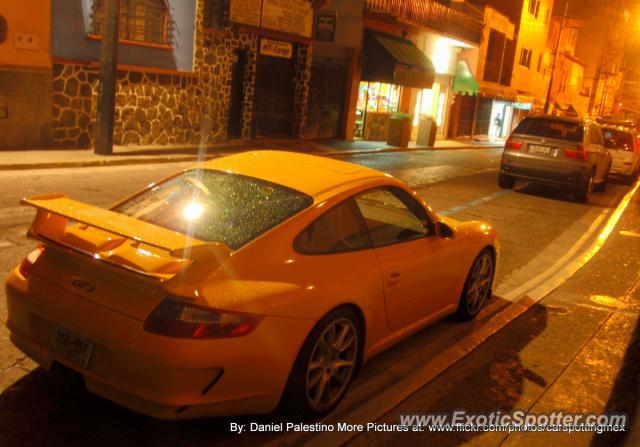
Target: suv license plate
73,347
537,149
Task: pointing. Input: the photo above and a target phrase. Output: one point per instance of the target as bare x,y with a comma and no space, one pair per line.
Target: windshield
216,206
550,128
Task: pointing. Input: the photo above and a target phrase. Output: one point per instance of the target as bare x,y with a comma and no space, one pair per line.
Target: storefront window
440,113
379,101
427,103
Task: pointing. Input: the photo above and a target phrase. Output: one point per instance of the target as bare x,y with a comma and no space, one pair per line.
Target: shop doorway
501,112
274,96
234,125
430,105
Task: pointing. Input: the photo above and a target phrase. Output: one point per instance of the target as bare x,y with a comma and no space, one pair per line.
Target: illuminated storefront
393,71
376,104
430,103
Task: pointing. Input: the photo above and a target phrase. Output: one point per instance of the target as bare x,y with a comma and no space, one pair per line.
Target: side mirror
445,231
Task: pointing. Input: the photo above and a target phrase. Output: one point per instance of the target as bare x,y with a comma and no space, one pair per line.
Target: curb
195,158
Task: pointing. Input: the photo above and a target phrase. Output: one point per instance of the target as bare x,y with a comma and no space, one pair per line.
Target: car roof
310,174
568,119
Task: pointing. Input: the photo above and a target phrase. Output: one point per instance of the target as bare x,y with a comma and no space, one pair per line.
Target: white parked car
624,147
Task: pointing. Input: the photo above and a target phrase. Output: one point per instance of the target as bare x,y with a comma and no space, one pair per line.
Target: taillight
30,260
179,319
578,153
514,145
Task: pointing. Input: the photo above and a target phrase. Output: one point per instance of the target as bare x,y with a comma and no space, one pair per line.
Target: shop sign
522,105
276,48
245,11
325,26
288,16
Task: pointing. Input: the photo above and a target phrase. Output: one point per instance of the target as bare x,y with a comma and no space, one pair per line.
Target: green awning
464,82
395,60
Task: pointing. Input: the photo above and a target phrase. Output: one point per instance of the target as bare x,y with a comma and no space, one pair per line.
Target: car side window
340,229
392,216
595,136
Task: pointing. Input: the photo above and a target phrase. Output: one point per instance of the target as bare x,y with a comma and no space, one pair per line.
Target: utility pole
108,75
547,101
596,81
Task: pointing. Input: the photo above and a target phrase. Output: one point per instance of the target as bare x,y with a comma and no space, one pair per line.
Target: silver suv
566,152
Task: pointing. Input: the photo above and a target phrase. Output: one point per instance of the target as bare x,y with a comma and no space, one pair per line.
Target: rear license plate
73,347
537,149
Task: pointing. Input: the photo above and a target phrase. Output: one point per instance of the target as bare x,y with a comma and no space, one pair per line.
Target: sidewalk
123,155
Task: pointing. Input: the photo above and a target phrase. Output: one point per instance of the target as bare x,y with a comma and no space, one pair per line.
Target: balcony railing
431,14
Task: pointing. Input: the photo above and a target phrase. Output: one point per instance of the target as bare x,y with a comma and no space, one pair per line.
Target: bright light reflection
144,252
192,211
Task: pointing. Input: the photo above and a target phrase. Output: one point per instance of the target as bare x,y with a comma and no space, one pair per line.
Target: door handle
394,278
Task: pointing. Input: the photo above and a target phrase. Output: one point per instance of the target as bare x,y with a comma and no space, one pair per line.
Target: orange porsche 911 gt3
248,281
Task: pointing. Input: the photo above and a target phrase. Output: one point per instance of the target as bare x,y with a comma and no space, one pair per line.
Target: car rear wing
122,240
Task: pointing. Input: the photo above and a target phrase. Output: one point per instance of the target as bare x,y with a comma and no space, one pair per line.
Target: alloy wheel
479,285
332,363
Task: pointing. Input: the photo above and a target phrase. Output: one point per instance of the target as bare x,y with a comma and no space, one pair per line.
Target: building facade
488,111
426,37
532,67
25,74
189,71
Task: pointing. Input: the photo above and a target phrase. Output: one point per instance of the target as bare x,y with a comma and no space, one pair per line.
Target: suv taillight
513,145
176,318
578,153
30,260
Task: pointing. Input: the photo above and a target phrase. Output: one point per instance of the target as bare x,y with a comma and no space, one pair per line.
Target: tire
602,186
305,400
584,193
506,181
630,179
477,286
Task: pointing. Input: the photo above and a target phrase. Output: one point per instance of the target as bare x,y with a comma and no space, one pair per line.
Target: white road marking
518,292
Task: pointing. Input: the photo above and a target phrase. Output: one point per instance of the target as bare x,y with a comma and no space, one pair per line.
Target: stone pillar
301,81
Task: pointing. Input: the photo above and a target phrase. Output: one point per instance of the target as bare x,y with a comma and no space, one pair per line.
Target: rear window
618,139
216,206
549,128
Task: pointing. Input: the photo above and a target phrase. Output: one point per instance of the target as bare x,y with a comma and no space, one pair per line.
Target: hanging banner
288,16
245,11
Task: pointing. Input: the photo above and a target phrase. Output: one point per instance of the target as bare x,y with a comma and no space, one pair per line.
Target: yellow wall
493,20
533,35
32,19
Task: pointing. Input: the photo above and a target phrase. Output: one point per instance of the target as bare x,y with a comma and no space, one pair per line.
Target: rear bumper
623,169
158,376
552,172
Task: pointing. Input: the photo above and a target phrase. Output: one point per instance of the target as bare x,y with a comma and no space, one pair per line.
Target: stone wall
301,80
159,108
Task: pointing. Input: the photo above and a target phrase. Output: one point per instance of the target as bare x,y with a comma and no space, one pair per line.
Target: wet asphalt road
534,223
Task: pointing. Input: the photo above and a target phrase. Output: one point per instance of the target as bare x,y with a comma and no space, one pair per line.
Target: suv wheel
584,193
602,186
506,181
